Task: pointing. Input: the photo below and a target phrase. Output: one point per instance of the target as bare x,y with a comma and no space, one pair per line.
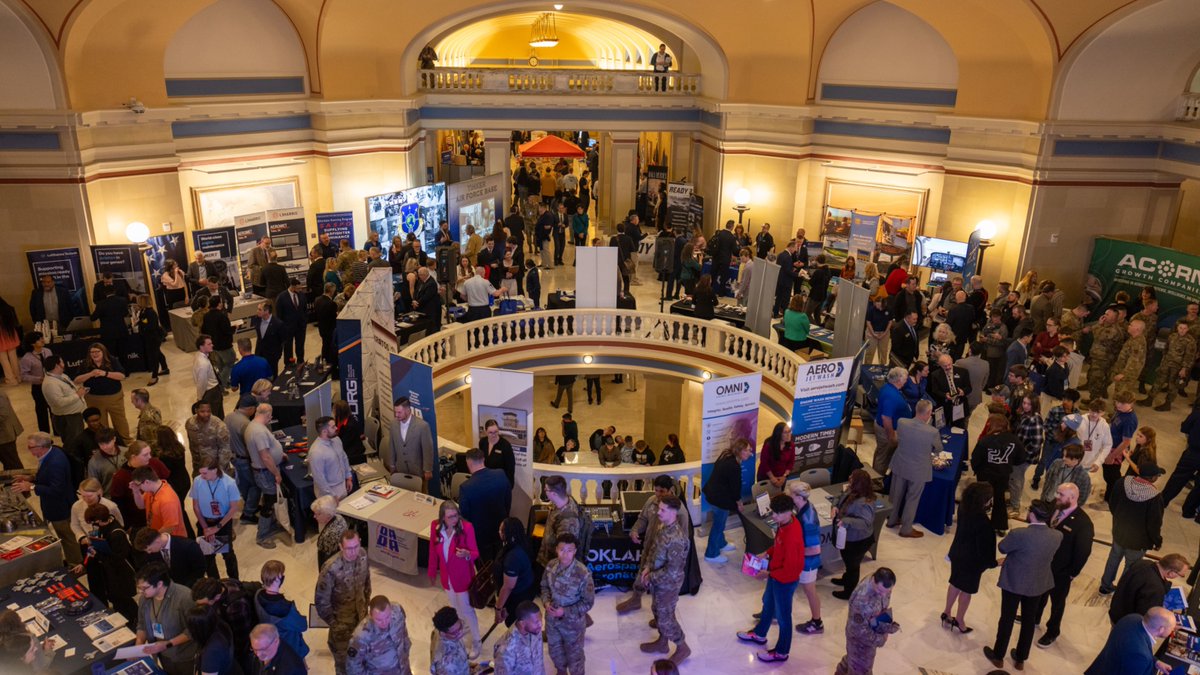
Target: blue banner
350,363
819,409
65,265
863,229
415,380
123,261
972,261
338,225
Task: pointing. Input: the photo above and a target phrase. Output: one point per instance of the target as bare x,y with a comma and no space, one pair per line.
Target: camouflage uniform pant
565,639
1164,380
663,605
1099,377
1129,385
339,642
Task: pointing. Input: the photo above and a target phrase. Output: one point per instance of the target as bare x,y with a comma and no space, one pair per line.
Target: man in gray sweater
912,467
1025,577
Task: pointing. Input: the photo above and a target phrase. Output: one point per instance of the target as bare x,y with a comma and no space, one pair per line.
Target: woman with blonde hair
90,492
941,341
452,555
261,390
871,280
103,382
1028,284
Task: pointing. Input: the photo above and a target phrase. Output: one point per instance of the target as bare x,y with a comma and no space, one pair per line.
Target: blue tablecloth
936,510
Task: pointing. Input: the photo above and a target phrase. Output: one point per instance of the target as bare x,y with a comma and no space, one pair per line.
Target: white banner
507,397
596,277
729,412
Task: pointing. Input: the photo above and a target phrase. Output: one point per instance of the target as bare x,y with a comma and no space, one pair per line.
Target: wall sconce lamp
987,231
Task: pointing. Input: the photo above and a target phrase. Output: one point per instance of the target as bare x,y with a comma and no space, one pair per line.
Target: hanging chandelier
543,33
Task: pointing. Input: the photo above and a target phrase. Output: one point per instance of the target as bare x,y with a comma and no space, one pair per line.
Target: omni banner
819,408
729,413
1128,266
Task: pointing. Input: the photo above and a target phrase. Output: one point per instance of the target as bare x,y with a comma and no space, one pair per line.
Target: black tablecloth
289,410
555,300
406,330
74,352
62,625
760,536
723,312
298,488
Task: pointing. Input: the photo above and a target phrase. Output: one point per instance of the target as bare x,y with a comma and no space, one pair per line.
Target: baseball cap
247,401
1073,421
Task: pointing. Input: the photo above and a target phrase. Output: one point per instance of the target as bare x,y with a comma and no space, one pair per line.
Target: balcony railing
564,81
1189,108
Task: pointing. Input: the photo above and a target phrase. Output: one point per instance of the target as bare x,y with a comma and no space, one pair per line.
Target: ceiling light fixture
558,7
706,375
587,358
544,33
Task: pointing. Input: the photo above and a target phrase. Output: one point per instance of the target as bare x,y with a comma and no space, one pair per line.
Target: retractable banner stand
219,245
863,229
289,238
679,201
415,380
818,410
596,277
338,225
249,230
163,248
1128,266
123,261
971,264
478,202
730,412
760,300
66,266
348,334
507,397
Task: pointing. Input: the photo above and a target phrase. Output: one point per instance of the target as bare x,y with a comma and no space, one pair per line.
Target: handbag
482,590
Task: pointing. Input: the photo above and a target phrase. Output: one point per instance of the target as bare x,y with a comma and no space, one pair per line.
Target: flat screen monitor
416,210
940,254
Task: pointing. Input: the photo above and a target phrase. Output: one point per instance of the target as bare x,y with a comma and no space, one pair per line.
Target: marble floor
727,598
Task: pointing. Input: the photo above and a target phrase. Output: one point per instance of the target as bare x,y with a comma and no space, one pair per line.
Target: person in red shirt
896,277
777,457
164,512
786,562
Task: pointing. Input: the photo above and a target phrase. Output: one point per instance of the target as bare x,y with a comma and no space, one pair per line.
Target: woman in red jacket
452,552
786,562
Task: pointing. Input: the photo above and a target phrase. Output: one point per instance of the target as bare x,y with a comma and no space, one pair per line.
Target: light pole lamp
986,230
741,202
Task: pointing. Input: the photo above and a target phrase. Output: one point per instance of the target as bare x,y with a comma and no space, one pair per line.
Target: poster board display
220,246
249,230
414,210
478,202
679,201
123,261
66,266
507,397
818,410
338,225
875,223
729,412
289,239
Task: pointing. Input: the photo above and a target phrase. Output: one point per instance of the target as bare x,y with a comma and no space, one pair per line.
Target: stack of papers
15,543
117,638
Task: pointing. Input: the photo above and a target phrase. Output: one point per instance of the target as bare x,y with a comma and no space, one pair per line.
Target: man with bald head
1073,552
1131,359
1130,646
479,291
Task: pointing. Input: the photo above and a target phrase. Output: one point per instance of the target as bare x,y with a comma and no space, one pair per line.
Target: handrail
552,80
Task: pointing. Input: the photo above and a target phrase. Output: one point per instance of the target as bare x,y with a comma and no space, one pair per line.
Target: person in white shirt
65,399
478,290
91,492
327,462
208,388
1096,437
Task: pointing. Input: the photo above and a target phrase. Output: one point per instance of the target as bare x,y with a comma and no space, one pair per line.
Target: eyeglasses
265,648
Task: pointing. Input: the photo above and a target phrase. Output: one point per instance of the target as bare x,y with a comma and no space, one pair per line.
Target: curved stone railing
561,81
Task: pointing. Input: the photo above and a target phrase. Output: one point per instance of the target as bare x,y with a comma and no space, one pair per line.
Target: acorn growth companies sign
1128,266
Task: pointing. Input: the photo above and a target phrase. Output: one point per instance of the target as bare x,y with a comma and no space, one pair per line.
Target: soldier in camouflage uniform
564,518
1192,319
644,532
519,652
1176,363
1071,322
567,594
449,655
1148,316
1128,365
1107,340
664,577
343,591
380,643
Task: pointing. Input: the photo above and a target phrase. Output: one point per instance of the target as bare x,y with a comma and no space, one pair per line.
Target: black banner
123,261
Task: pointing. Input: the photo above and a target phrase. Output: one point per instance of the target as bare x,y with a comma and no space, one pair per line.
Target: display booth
874,223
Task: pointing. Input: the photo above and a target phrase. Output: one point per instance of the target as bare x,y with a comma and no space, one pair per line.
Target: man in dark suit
724,245
57,297
949,387
961,319
484,500
1130,646
292,309
268,336
212,287
182,556
426,298
112,311
909,299
787,278
1145,583
1024,578
1072,555
108,286
275,277
905,342
818,289
325,311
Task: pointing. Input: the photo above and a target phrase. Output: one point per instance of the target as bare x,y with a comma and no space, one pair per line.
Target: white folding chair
816,477
406,481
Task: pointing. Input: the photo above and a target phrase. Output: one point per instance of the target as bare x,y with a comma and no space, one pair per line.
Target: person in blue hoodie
807,515
275,609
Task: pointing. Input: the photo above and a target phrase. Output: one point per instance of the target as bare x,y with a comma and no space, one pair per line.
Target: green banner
1128,266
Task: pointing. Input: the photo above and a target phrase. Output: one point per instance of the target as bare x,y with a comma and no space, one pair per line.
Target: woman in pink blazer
452,552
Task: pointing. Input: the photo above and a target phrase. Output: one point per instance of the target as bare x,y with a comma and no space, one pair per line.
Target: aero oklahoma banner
819,407
1128,266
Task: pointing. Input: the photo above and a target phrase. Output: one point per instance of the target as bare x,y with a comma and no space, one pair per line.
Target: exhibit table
724,312
62,602
820,335
397,526
935,512
30,547
288,409
185,333
560,300
298,490
760,535
412,325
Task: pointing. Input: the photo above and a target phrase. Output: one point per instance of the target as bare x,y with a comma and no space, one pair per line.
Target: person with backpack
275,609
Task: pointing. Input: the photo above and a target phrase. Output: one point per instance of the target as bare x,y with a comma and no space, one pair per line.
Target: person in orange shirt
164,512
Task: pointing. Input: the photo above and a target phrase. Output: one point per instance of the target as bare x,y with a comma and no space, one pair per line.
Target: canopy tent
551,146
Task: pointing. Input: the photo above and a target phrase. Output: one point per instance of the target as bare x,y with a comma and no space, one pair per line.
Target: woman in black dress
513,570
151,330
704,300
972,552
497,451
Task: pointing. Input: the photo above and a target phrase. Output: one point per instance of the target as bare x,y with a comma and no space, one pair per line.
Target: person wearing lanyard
32,371
161,620
216,503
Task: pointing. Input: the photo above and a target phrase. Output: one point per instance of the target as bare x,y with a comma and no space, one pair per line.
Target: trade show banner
507,397
289,238
219,244
1128,266
863,229
65,265
729,412
835,237
971,263
123,261
348,334
249,230
163,248
478,202
338,225
817,414
415,380
679,201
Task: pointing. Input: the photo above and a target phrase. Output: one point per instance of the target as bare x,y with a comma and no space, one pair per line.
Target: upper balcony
558,81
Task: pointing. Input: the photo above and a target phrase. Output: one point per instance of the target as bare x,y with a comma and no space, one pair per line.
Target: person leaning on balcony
661,62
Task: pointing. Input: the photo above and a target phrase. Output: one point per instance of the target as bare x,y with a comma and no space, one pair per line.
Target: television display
940,254
417,210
